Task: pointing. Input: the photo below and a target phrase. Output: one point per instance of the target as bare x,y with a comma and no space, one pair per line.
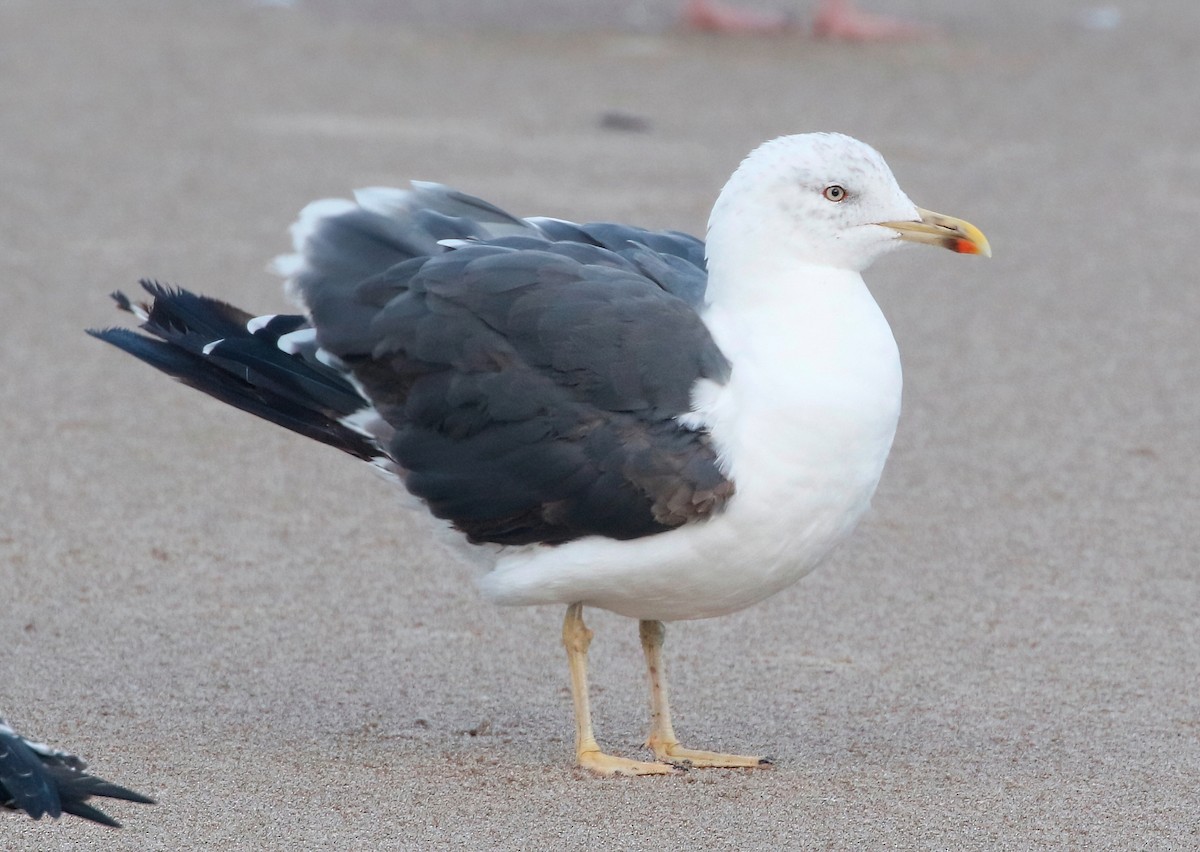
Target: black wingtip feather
200,373
86,811
248,372
75,789
81,786
45,782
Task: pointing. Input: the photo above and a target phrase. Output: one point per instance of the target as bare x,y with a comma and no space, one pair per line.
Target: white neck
814,395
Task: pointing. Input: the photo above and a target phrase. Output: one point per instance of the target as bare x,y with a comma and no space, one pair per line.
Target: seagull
41,780
614,417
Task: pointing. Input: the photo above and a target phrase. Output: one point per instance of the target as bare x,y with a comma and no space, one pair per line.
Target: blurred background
248,628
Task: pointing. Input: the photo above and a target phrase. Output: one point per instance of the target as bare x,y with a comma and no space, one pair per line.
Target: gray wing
532,371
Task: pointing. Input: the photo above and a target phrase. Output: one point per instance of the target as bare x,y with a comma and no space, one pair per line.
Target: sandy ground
244,625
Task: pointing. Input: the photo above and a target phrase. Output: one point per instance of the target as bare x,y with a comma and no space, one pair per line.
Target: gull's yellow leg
576,638
662,735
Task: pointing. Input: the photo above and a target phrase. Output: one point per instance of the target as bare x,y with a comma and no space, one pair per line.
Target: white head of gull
631,420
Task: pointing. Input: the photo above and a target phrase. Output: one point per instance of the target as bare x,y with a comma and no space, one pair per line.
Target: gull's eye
835,193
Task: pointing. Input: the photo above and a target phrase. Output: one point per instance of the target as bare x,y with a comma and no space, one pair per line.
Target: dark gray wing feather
533,370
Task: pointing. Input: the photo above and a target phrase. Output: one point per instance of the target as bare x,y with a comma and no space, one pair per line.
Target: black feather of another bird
47,782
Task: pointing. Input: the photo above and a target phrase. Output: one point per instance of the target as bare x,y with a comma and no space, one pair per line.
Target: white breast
803,428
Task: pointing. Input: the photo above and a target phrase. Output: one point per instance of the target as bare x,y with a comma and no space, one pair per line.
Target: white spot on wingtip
333,362
366,422
209,347
295,342
259,323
